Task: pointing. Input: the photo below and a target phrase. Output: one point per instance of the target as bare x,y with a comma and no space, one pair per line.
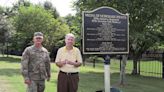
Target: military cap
38,35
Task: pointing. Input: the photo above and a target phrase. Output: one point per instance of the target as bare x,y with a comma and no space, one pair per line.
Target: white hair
69,35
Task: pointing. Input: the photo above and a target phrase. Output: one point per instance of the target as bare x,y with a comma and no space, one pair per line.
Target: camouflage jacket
35,64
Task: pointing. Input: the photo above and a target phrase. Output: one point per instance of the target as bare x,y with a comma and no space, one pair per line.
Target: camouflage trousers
36,86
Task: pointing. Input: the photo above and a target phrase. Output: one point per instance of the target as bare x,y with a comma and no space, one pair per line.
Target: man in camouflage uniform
35,65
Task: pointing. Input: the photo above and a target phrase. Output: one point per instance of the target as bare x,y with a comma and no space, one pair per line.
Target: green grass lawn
91,79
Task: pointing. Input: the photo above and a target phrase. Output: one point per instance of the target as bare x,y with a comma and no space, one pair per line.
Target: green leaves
35,18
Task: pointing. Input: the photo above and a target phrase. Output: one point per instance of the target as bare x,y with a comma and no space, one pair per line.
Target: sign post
107,73
105,31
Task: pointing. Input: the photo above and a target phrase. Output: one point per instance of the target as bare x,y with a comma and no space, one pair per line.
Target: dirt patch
5,86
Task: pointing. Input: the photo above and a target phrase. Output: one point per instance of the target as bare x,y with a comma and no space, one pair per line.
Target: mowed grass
91,79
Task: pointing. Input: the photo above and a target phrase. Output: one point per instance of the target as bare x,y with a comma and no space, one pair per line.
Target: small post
94,61
120,58
107,73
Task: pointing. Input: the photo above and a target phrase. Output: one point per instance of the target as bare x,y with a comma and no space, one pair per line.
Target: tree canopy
145,17
35,18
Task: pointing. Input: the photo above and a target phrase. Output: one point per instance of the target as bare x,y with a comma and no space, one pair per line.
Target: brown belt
69,73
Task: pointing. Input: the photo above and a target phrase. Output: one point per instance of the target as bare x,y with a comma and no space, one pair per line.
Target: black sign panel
105,31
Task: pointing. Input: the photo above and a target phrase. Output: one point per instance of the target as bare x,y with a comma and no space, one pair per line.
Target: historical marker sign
105,31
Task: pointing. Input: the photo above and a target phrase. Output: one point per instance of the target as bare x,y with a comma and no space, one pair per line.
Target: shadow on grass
9,72
96,74
93,76
94,81
10,59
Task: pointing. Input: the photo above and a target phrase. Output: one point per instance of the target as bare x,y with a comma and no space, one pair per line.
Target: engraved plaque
105,31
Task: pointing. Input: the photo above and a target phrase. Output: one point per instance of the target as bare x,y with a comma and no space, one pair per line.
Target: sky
62,6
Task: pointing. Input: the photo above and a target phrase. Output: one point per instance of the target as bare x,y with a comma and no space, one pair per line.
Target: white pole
107,73
107,77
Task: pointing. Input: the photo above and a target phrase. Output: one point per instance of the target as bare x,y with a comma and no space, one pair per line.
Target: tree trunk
123,72
135,69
